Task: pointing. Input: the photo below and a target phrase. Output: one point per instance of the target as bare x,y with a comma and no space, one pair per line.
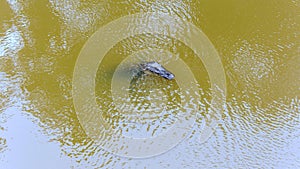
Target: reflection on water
259,46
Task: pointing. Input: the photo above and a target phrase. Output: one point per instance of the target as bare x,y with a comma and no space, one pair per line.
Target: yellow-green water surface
258,44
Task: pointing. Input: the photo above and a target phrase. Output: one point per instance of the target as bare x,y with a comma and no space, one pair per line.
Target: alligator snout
158,69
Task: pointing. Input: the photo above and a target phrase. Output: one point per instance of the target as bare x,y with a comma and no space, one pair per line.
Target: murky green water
258,44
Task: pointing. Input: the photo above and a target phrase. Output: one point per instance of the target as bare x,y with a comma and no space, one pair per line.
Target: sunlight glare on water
258,45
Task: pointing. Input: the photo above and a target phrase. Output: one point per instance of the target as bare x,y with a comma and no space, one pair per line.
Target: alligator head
158,69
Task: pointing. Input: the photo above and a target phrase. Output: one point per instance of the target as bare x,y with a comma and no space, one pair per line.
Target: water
257,44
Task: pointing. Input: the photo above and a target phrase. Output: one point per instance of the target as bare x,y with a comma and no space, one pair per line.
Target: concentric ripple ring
95,49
